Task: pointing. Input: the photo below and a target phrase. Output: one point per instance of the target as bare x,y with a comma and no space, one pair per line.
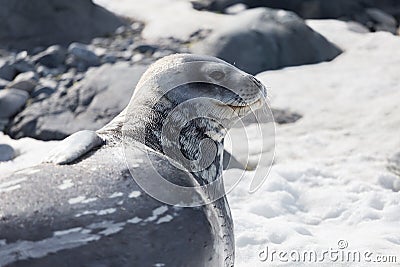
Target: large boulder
389,6
304,8
26,23
264,39
356,10
90,104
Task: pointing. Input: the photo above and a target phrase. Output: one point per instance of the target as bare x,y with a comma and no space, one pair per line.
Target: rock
89,104
11,101
52,22
394,164
282,116
265,39
45,71
44,89
235,9
6,153
137,57
25,81
41,93
52,57
23,55
109,58
3,83
82,56
279,116
355,10
3,123
23,66
7,71
391,7
146,48
382,20
50,83
310,9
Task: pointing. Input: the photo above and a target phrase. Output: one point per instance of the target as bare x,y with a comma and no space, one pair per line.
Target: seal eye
217,75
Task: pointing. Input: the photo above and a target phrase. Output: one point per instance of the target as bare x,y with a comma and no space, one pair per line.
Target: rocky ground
333,86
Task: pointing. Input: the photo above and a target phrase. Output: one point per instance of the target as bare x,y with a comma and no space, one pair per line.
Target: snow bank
330,180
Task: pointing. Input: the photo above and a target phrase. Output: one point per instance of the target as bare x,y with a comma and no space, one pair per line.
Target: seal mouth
255,104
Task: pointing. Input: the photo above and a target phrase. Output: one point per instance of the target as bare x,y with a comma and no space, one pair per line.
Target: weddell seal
96,200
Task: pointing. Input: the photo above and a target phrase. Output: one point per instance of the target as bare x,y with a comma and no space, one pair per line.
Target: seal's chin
244,110
253,106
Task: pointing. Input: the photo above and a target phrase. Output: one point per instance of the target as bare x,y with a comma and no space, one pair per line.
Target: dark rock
305,8
145,48
109,58
3,83
45,88
6,153
7,71
25,81
382,21
316,9
81,57
23,66
41,93
11,101
265,39
45,71
27,24
89,104
3,123
282,116
279,116
52,57
391,7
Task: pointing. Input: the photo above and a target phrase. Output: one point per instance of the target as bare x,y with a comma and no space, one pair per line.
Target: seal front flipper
73,147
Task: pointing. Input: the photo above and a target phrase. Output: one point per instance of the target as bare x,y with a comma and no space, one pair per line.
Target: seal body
92,213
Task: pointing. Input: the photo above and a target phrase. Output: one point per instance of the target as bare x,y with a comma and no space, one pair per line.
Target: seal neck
197,146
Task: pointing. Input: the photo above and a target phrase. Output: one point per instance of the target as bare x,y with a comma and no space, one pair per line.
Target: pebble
26,81
384,21
23,66
3,83
7,71
52,57
41,93
6,152
145,48
83,53
11,101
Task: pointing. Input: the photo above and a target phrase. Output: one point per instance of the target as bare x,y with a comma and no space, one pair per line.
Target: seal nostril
255,81
260,86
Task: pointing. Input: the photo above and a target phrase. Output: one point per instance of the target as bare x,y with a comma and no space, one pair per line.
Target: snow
167,21
29,152
329,181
